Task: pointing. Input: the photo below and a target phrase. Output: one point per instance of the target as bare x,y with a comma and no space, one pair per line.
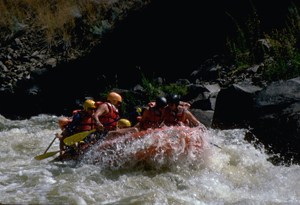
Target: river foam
239,173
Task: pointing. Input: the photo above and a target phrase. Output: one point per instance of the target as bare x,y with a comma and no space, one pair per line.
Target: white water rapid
238,173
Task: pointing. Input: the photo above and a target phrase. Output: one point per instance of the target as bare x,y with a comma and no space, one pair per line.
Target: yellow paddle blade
77,137
139,110
46,155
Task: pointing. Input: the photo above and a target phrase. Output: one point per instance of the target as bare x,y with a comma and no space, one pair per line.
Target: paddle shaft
50,145
215,145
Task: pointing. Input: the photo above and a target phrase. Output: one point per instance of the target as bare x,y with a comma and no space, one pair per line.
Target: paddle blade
77,137
46,155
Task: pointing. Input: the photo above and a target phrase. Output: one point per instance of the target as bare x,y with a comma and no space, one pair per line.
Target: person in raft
177,115
151,117
63,124
108,112
82,121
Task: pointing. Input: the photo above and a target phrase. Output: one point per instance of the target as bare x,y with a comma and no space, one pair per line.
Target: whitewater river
238,173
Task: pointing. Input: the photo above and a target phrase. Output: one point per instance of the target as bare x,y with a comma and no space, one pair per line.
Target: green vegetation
151,90
281,60
242,47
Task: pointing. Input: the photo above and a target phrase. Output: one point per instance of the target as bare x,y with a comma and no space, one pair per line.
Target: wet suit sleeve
74,124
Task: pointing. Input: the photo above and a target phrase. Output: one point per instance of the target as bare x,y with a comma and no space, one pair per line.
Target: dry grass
56,17
69,21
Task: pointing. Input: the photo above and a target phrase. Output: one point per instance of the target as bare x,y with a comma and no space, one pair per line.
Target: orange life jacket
175,116
86,124
154,119
110,117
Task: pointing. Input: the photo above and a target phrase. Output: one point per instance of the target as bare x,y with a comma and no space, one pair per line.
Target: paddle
46,155
42,155
215,145
80,136
50,145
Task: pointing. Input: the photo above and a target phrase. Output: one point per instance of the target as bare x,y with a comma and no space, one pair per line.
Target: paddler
82,121
177,115
151,117
63,124
107,113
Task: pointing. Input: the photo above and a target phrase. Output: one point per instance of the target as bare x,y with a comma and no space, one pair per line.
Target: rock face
272,113
277,118
234,106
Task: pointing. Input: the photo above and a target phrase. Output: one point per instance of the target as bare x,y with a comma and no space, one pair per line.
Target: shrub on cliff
281,60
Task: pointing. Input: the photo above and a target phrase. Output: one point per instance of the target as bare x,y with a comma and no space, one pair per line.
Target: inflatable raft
168,143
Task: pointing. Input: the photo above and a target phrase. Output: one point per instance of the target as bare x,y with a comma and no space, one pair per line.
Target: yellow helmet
124,123
88,104
114,98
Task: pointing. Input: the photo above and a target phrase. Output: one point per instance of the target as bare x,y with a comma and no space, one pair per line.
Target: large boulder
234,106
277,119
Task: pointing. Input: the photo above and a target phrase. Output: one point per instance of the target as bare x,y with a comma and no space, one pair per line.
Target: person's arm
74,124
184,104
101,110
162,117
191,117
145,116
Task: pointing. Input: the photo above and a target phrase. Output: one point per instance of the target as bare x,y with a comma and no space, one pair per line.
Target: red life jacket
98,103
110,117
154,119
86,124
175,116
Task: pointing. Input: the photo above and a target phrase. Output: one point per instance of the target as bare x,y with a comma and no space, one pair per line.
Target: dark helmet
174,99
161,102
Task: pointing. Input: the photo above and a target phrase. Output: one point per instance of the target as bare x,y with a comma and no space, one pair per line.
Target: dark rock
277,119
210,70
51,62
234,106
207,104
138,88
3,67
182,82
194,91
34,90
277,95
205,117
159,81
